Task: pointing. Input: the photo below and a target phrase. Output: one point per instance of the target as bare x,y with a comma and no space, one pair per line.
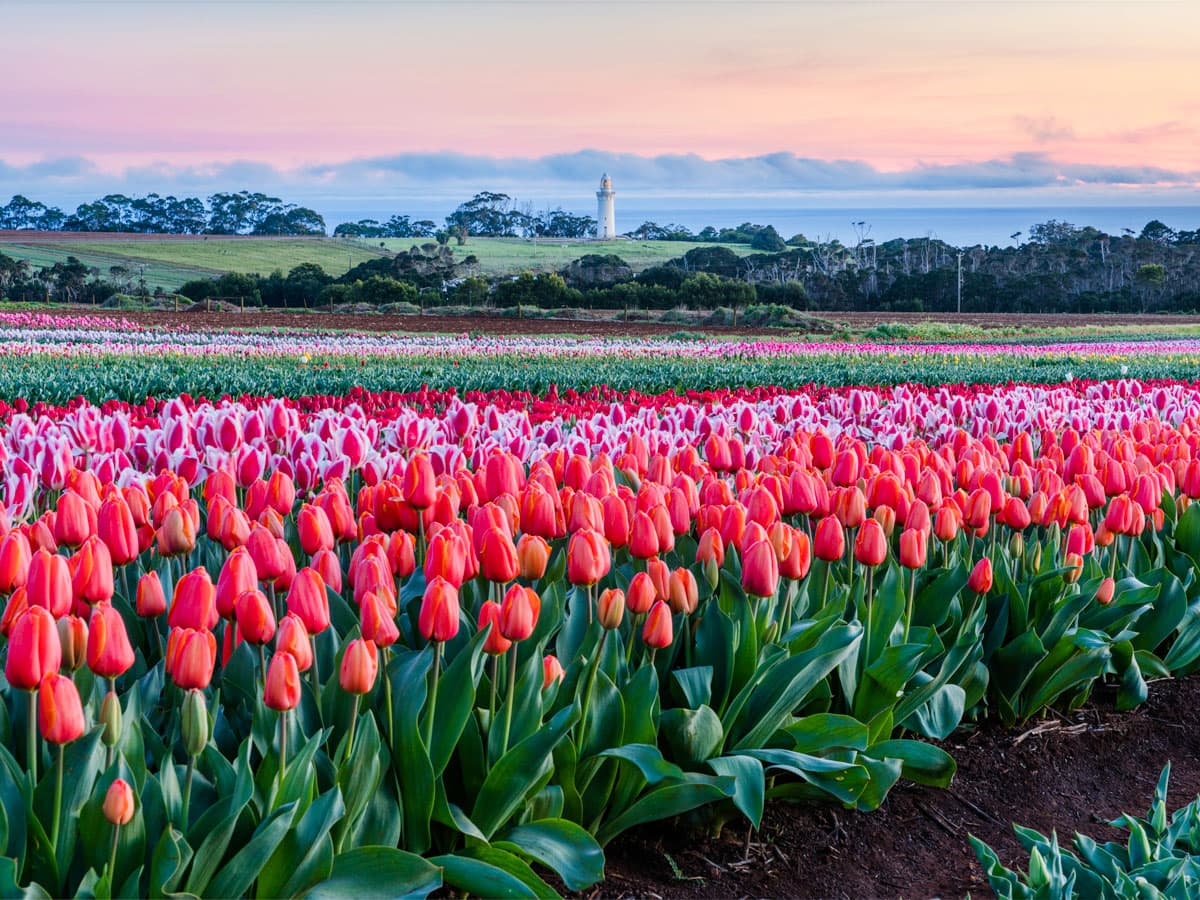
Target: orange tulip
49,583
308,600
377,624
191,656
314,529
870,546
151,601
495,643
552,670
519,612
119,803
588,557
610,608
255,619
292,637
498,557
760,570
829,541
177,534
683,594
195,603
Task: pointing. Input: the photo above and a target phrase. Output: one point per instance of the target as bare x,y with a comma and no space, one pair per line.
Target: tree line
242,213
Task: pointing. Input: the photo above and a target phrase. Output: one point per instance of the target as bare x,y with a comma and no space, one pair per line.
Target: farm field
307,612
169,261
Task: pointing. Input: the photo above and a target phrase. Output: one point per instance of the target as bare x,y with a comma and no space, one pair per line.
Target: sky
939,103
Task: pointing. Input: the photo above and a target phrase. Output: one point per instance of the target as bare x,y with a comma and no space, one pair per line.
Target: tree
1157,232
768,240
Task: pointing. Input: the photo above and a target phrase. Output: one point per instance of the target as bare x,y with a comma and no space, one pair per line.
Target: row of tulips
471,677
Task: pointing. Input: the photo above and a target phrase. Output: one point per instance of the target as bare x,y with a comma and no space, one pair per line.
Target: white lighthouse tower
606,220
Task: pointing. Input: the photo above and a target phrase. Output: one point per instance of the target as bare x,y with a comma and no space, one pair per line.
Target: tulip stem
633,633
56,813
350,731
433,692
187,792
587,690
112,860
31,745
316,678
866,618
262,664
283,730
825,586
495,679
908,612
387,696
512,685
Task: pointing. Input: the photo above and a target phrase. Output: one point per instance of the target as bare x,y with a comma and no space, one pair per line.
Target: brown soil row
1073,774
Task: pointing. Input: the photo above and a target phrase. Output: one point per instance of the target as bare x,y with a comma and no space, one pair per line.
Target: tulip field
304,614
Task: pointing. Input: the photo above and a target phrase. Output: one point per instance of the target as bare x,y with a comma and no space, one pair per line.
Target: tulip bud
195,602
73,635
110,718
498,557
1016,545
641,594
658,632
829,540
119,803
611,608
519,612
60,712
34,649
194,722
912,548
151,601
980,580
552,670
588,557
177,534
438,618
109,653
1104,593
282,688
870,546
292,637
308,600
255,618
1074,566
360,666
760,570
683,594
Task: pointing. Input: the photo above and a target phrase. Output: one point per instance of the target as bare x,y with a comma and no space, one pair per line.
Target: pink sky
894,84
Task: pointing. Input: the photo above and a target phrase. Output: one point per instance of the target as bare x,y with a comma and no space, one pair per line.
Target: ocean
961,226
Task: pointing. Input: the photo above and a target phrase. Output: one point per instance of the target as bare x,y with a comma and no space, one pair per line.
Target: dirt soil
596,327
1066,773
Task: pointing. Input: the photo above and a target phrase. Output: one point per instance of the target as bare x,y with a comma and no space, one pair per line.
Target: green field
169,263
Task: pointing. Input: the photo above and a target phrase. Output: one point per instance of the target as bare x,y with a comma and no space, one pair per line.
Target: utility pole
960,282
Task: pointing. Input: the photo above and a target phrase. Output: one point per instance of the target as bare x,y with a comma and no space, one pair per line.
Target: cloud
363,186
1044,129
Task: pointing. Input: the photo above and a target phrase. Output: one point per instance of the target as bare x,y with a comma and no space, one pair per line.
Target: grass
169,263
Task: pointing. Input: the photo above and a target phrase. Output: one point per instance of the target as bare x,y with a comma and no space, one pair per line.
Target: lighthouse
606,221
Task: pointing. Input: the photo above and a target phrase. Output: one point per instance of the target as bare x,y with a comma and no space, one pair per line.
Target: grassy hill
169,262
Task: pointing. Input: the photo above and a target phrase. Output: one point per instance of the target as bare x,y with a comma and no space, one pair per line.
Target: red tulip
329,567
292,637
913,548
946,524
641,593
498,557
60,714
109,653
92,578
446,557
74,520
255,619
264,549
377,624
552,670
308,600
519,612
438,619
683,594
870,546
282,689
115,526
191,656
658,630
419,486
195,603
314,529
760,570
798,561
34,649
643,537
533,556
829,540
281,492
980,580
49,583
237,576
151,601
588,557
360,667
495,643
1104,593
177,534
15,558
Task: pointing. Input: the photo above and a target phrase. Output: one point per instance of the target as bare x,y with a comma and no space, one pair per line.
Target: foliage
1161,859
